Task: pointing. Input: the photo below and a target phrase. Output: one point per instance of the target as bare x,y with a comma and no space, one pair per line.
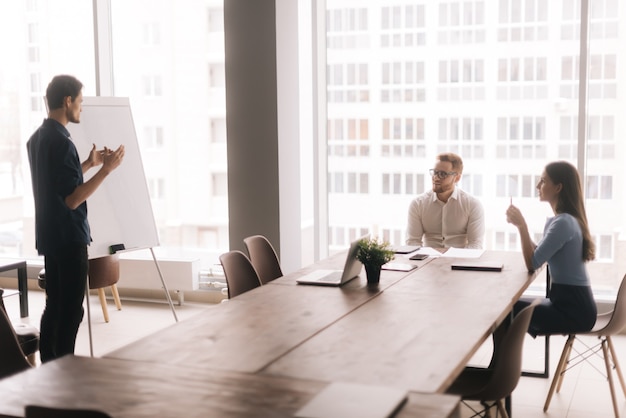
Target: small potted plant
373,254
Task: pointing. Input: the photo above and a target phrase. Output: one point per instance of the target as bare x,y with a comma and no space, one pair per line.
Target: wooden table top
418,334
416,331
249,331
131,389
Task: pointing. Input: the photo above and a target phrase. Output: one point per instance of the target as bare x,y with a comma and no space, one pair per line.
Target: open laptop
351,269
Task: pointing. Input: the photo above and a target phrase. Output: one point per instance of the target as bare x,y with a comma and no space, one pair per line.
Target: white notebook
341,400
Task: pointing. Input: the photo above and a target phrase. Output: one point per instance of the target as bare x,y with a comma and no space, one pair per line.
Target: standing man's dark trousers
66,278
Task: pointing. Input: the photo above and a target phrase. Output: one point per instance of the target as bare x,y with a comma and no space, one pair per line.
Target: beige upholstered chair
607,325
263,258
103,272
12,358
492,385
239,273
27,335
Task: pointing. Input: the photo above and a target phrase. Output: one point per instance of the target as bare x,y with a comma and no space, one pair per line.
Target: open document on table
463,252
452,252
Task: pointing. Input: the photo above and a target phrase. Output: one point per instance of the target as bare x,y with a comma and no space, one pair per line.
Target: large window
497,82
168,58
40,40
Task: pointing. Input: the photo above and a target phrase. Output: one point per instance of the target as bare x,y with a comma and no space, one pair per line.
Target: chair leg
560,369
502,409
609,374
567,357
32,359
103,303
616,363
116,297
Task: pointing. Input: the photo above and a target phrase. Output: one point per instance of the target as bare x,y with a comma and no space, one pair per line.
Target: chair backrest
239,272
12,359
507,365
618,318
32,411
104,271
263,258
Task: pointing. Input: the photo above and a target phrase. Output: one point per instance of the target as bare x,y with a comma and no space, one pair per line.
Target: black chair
263,258
27,335
12,358
239,273
492,385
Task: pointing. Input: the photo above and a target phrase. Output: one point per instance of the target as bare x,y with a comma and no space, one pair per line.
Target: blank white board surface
119,211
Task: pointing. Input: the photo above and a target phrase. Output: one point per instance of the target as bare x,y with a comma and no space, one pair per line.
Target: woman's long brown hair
571,200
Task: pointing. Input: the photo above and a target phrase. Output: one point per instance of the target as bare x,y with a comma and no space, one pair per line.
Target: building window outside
472,183
151,34
156,187
522,78
215,19
348,83
403,82
601,137
568,141
152,86
461,80
523,20
461,22
217,77
604,19
348,137
600,187
403,137
506,241
392,235
348,182
463,136
219,183
344,235
516,185
521,137
218,131
604,247
153,137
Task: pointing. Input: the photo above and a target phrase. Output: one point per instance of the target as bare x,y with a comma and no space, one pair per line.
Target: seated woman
566,246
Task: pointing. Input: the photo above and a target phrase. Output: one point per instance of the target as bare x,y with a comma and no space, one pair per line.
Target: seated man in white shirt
446,216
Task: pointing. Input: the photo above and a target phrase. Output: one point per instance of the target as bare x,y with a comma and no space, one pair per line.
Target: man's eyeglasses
442,175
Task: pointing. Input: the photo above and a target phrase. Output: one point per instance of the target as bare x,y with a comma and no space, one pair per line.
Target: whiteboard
119,211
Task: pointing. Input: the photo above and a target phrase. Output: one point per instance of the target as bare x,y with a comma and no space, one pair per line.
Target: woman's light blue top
562,248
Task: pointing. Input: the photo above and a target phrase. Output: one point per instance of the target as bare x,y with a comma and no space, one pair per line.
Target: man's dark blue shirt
56,172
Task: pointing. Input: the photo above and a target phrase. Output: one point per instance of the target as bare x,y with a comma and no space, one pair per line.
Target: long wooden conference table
272,349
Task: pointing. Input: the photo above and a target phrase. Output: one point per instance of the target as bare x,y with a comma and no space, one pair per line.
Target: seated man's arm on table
476,225
415,229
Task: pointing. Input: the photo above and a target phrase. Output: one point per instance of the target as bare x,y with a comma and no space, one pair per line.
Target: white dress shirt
460,222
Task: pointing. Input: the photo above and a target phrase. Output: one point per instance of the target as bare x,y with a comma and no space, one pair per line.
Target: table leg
22,283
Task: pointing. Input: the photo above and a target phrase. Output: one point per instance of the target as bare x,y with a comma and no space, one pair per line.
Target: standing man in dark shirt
61,227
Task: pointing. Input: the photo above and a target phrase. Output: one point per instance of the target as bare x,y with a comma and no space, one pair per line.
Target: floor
584,394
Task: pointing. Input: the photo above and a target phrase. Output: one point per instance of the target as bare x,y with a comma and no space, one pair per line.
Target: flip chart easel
119,211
